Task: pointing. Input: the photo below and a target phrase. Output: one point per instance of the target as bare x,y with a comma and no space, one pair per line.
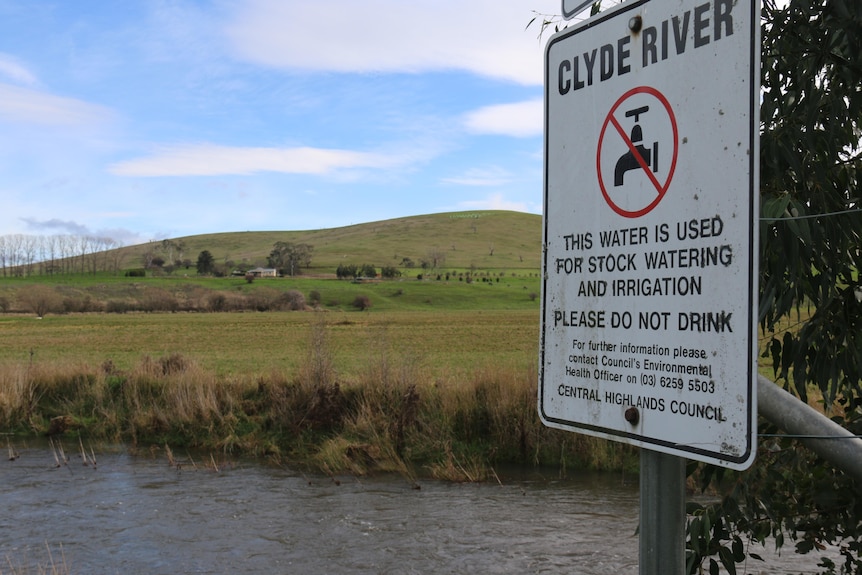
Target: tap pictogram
628,161
621,149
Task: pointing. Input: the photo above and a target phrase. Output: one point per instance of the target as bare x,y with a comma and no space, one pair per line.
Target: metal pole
819,433
662,514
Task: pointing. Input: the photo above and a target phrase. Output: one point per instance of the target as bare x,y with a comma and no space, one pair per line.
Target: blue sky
149,119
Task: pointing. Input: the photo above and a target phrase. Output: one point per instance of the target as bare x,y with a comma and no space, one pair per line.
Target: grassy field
507,291
443,341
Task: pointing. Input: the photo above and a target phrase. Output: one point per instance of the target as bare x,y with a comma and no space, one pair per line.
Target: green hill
483,240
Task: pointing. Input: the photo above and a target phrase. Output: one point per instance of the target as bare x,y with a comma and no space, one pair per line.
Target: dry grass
394,410
53,566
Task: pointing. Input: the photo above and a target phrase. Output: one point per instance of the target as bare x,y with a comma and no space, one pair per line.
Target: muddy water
138,514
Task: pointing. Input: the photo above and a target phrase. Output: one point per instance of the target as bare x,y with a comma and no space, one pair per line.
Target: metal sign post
661,549
650,241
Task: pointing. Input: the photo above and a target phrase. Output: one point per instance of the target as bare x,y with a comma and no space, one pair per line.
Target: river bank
390,415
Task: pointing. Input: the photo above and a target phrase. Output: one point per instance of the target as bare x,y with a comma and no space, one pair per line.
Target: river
137,513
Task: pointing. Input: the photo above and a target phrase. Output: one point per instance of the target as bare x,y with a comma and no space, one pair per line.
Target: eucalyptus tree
810,307
289,258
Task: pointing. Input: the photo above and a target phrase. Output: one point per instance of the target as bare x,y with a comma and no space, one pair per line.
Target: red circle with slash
637,158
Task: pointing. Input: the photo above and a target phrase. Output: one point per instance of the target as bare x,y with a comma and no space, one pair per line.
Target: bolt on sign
650,237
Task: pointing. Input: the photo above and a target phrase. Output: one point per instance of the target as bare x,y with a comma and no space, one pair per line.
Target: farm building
263,272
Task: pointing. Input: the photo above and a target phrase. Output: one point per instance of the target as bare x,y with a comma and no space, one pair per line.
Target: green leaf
738,550
727,559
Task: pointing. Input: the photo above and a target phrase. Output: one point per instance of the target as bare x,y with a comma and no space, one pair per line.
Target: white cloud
58,226
15,71
493,176
23,105
484,37
213,160
494,202
521,119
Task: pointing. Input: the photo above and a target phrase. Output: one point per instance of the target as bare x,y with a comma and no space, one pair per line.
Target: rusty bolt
636,23
633,415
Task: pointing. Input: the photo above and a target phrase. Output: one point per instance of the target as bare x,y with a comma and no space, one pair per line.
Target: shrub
265,299
389,272
117,306
80,305
217,302
136,273
158,299
362,302
292,300
314,298
40,299
174,363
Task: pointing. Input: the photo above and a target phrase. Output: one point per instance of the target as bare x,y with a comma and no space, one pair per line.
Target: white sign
572,8
650,235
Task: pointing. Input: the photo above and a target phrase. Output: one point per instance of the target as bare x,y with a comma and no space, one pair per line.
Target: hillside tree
435,258
346,271
289,258
368,271
206,263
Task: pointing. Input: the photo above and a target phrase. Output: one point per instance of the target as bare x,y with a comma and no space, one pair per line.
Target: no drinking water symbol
636,153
